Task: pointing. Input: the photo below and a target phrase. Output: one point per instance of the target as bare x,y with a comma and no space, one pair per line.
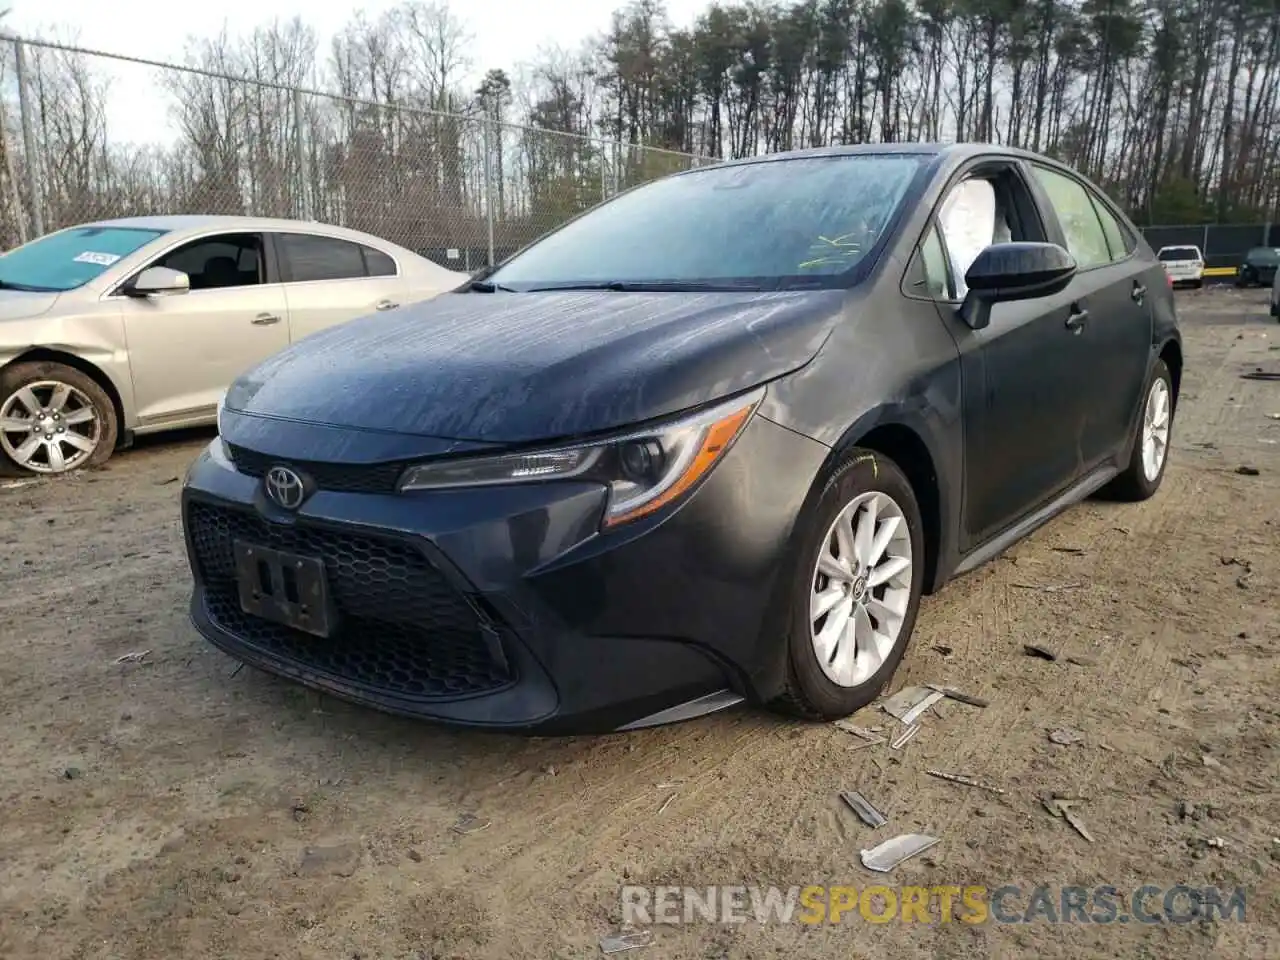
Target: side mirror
159,282
1014,271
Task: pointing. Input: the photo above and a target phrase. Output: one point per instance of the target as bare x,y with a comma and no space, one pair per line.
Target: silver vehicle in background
133,326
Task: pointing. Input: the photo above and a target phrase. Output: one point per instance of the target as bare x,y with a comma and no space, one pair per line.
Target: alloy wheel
861,589
1155,428
49,427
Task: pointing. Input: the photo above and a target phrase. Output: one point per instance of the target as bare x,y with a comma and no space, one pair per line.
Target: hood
513,368
24,304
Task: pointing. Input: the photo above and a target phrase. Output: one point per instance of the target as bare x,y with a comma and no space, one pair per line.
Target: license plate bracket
285,588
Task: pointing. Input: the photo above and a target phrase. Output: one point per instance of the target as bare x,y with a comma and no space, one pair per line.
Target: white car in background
135,326
1183,264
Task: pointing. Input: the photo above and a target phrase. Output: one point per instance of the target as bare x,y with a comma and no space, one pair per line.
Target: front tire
54,419
1142,478
854,588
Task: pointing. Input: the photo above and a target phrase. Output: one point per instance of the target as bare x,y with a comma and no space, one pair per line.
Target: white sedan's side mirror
159,282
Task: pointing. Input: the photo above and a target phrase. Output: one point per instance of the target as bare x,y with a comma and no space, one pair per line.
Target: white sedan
134,326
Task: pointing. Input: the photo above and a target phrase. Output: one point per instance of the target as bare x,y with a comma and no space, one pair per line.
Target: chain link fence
88,136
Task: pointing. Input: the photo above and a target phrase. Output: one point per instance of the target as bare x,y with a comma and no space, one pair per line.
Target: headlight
644,470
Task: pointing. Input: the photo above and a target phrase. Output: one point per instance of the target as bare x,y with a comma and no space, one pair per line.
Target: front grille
339,477
403,628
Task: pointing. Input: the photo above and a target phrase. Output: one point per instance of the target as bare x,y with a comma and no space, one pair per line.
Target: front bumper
506,607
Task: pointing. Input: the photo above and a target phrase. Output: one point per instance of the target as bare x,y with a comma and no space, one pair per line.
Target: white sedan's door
186,349
330,281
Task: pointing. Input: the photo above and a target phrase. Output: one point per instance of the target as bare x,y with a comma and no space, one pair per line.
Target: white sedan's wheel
861,589
53,419
49,427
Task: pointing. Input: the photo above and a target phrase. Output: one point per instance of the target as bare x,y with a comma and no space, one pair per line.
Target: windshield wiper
488,286
652,286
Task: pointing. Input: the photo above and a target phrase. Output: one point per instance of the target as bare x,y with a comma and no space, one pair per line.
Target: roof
954,152
204,221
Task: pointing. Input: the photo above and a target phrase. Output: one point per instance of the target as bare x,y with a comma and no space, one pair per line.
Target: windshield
69,258
1263,256
1180,253
768,225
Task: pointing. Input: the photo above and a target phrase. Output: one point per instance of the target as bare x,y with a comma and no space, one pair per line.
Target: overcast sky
505,33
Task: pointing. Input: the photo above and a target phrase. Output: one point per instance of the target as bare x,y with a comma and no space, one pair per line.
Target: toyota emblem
285,488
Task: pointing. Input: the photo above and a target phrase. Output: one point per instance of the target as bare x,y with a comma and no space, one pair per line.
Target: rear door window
308,257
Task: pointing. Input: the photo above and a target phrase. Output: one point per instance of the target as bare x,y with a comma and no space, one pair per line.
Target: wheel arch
906,444
89,369
1171,353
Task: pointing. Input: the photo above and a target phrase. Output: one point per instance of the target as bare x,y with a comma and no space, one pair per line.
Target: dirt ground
181,807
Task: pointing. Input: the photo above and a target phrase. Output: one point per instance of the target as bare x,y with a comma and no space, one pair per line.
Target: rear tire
839,659
1153,433
54,419
1197,284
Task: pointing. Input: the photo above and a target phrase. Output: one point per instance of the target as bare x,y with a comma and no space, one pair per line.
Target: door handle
1076,321
1139,291
263,319
385,305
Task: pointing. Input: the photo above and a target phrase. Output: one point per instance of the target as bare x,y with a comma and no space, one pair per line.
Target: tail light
1169,280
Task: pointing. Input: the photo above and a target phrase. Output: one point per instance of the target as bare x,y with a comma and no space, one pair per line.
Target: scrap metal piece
885,856
962,779
849,727
951,693
470,823
905,737
1062,807
909,703
626,941
863,808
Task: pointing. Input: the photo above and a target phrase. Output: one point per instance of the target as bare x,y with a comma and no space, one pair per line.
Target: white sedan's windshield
70,258
762,223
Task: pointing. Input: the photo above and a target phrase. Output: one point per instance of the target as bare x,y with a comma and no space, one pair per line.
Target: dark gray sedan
708,442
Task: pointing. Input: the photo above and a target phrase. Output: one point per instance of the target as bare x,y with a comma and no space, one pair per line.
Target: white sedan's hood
22,304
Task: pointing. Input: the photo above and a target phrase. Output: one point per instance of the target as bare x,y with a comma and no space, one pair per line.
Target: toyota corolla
708,442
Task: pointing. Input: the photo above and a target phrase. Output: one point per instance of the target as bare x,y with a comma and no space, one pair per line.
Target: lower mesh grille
403,628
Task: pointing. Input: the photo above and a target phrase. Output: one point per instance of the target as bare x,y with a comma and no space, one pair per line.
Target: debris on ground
885,856
1064,736
1048,587
951,693
869,736
1082,661
71,773
905,737
666,803
135,657
470,823
1076,551
15,484
1247,471
863,808
943,649
963,780
166,481
626,941
1035,650
1061,807
910,702
1209,761
339,860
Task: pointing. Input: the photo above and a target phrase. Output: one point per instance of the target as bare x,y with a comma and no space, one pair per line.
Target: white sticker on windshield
101,259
